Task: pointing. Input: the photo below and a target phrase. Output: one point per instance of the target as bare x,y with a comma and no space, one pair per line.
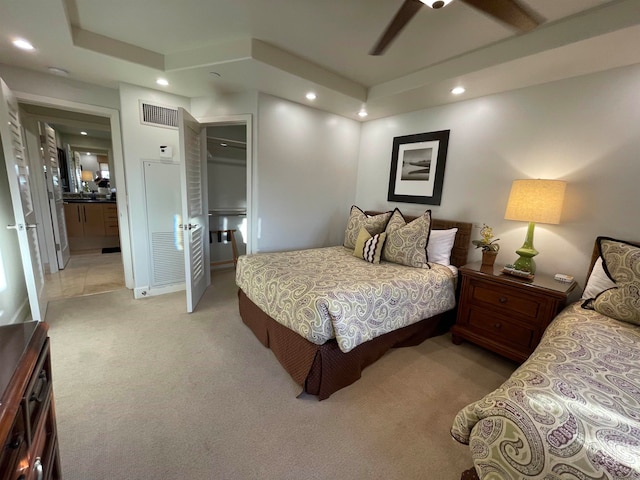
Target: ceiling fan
511,12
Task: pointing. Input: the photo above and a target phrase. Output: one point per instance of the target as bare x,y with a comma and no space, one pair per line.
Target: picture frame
417,167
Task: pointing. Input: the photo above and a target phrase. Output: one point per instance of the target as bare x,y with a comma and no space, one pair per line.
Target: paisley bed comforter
571,411
326,293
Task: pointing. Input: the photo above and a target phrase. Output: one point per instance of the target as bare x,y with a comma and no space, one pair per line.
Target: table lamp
534,201
86,176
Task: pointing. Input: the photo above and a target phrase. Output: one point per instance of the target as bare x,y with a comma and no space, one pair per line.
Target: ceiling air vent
158,115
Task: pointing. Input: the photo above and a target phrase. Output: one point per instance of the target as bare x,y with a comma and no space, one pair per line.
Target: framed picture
417,167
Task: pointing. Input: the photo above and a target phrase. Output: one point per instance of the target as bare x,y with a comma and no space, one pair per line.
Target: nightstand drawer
500,328
507,299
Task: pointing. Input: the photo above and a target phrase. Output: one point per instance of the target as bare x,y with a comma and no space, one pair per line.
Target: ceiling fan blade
408,9
510,12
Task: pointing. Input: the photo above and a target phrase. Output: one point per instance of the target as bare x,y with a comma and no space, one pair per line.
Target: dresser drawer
13,457
506,299
500,328
36,396
43,448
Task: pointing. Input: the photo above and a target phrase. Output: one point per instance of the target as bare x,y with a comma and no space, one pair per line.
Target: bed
572,410
323,358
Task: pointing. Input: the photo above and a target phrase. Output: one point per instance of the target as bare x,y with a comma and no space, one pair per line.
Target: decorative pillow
358,219
598,281
440,245
369,247
406,243
395,221
622,265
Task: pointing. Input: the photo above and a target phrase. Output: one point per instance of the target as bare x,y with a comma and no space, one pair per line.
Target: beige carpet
146,391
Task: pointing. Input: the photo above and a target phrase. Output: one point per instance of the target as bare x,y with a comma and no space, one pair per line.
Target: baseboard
22,313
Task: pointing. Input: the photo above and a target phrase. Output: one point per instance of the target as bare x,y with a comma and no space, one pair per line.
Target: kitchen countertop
87,200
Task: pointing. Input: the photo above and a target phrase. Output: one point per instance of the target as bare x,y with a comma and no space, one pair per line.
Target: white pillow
598,281
440,245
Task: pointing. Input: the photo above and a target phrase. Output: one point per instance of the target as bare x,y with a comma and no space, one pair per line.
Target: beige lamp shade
538,201
86,176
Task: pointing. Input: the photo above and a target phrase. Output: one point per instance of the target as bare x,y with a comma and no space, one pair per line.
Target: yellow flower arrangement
487,242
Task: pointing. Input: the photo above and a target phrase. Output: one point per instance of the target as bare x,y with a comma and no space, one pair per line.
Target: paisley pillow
622,264
358,219
369,247
406,243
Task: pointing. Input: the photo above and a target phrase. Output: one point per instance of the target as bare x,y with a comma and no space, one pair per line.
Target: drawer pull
42,391
37,467
502,299
497,325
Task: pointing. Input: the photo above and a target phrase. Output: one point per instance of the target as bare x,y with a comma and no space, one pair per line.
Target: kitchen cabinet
91,225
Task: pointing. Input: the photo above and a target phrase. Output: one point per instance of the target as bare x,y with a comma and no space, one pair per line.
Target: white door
23,207
195,207
54,191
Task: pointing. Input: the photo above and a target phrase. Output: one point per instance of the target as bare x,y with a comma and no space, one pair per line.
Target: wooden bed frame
323,369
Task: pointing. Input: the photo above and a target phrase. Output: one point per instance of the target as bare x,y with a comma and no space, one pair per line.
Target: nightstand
506,314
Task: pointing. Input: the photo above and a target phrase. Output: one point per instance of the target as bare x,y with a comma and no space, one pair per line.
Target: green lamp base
525,262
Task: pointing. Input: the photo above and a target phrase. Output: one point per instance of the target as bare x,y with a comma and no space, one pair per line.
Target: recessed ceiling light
458,90
22,44
58,71
162,81
362,113
83,133
311,96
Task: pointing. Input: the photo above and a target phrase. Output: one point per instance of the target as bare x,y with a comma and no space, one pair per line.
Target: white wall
14,302
224,105
583,130
227,183
306,170
142,142
28,81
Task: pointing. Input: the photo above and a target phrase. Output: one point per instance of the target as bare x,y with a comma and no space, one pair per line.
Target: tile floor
85,274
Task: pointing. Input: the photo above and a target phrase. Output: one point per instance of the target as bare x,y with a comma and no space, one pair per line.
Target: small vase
489,258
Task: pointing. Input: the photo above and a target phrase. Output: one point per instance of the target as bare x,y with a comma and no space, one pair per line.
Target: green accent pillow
406,243
621,261
369,247
358,219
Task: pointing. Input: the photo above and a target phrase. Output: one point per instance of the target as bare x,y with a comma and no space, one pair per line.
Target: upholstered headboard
460,251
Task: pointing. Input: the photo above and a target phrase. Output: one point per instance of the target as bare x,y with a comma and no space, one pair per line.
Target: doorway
227,190
84,145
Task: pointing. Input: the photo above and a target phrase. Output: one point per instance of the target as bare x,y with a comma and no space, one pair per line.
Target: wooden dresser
28,432
506,314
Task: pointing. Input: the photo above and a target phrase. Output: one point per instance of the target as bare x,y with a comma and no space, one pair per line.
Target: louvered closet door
56,203
195,208
22,201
